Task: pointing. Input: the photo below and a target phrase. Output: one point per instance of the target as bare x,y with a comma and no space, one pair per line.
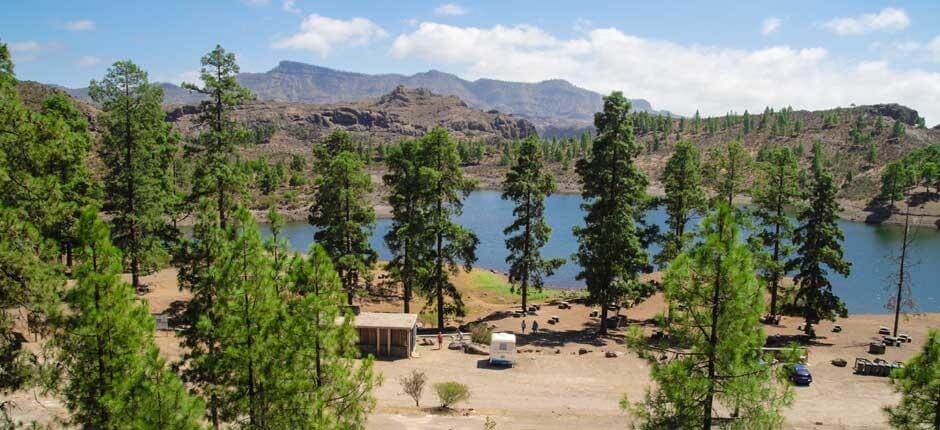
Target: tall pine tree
818,241
407,237
215,148
136,145
341,213
452,243
777,189
527,184
717,303
106,347
682,180
610,247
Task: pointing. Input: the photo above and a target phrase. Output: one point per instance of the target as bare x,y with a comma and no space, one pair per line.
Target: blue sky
681,56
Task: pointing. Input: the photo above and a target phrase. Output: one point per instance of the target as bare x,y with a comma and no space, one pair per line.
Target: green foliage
450,393
918,167
728,172
717,303
214,149
918,382
611,248
106,350
682,180
341,213
527,184
452,243
406,239
776,189
471,152
818,241
137,145
898,132
481,333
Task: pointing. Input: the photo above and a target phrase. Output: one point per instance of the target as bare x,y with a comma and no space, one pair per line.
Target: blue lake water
869,248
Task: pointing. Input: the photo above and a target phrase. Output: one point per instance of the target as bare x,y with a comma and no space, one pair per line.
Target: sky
682,56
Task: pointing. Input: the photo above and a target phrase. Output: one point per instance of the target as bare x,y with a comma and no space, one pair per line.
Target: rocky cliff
402,113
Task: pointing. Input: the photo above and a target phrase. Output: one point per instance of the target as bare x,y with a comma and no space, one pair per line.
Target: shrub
413,385
480,333
450,393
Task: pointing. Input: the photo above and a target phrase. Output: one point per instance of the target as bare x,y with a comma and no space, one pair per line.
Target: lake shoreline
852,210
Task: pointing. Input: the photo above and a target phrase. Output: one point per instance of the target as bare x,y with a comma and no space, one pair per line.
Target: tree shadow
878,211
784,340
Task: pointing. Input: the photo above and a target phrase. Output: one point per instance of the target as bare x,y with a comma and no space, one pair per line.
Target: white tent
503,348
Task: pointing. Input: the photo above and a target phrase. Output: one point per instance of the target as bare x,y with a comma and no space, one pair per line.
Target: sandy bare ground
555,387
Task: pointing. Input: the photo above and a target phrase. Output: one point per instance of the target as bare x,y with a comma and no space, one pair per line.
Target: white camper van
503,349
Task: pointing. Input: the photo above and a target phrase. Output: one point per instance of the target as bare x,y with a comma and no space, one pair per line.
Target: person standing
523,326
535,326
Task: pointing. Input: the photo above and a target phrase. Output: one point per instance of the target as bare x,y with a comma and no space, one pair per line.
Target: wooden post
378,334
388,341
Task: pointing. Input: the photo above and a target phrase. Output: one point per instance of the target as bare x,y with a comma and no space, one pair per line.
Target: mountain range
556,106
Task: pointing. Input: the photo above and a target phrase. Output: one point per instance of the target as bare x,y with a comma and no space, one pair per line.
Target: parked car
799,375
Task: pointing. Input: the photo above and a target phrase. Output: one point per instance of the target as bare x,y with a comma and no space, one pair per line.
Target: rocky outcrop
895,111
402,113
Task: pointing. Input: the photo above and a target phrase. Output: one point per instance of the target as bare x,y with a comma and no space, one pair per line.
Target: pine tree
717,304
200,273
43,162
918,382
452,243
106,347
216,172
135,146
248,328
527,184
610,246
682,180
341,213
898,132
406,237
777,189
325,387
818,242
728,171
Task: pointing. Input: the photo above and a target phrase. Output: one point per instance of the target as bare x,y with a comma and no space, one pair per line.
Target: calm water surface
869,248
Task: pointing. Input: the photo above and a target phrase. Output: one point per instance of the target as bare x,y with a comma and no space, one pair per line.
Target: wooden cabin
387,335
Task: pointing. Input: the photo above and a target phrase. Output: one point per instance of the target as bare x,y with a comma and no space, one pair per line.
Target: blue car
800,375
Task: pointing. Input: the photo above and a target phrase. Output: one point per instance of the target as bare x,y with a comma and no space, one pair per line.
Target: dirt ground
552,386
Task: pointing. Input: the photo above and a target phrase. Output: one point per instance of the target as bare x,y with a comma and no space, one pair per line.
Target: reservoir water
870,248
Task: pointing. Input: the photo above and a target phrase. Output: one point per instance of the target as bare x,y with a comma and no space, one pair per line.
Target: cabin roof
386,320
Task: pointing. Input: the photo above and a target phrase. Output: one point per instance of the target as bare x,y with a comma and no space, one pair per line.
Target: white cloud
80,25
681,78
321,34
290,6
770,25
933,49
888,19
29,50
88,61
450,9
191,76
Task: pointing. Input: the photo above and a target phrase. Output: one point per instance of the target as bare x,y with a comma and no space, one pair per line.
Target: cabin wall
376,341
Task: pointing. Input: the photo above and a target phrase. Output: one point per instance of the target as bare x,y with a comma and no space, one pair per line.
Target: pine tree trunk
897,304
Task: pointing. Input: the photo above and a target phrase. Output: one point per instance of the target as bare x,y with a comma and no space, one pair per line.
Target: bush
413,385
450,393
480,333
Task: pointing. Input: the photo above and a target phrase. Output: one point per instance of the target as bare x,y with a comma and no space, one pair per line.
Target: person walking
523,326
535,326
440,340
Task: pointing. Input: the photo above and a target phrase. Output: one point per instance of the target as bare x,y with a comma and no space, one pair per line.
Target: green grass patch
496,284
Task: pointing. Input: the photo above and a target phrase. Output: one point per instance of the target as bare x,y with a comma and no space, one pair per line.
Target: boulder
612,354
457,345
476,349
582,351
